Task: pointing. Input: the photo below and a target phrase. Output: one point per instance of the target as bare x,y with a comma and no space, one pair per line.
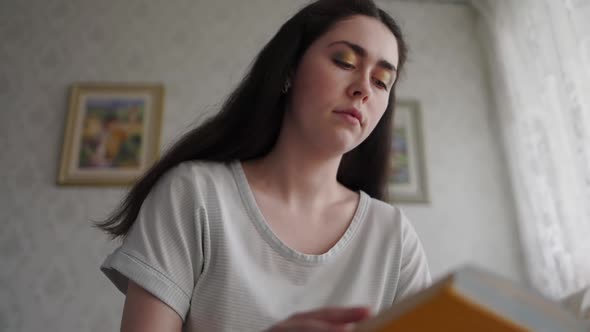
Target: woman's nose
360,89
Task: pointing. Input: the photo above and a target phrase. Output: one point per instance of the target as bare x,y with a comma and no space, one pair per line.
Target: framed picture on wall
112,133
407,182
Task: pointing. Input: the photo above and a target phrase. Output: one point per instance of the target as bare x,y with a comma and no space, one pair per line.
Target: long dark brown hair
248,124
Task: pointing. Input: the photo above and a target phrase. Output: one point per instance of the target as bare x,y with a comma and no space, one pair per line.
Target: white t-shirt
200,244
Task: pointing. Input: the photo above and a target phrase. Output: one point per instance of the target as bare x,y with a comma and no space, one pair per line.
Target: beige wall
199,49
471,217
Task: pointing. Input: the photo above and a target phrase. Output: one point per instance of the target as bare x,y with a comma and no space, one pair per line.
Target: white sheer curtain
539,56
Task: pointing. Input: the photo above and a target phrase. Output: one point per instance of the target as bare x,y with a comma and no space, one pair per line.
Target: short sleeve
414,271
162,251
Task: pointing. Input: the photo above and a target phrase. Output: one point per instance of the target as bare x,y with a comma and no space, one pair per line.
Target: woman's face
342,85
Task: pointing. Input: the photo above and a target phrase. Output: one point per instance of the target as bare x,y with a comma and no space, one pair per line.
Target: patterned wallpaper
199,49
49,255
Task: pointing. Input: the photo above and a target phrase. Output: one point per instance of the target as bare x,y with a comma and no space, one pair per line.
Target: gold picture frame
112,133
407,182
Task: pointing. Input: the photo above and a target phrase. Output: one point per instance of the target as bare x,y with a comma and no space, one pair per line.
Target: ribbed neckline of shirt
273,240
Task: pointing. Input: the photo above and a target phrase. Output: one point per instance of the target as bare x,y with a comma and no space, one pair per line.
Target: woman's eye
344,64
381,84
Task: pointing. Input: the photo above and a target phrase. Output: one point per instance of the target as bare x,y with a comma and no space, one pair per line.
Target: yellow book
473,300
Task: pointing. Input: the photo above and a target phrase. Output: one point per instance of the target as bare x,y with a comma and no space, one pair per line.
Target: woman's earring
287,86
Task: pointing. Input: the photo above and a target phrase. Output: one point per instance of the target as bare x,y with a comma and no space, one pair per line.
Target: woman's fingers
310,326
323,320
336,315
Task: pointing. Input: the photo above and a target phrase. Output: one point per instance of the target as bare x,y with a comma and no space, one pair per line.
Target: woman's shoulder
200,169
384,209
387,215
396,228
196,174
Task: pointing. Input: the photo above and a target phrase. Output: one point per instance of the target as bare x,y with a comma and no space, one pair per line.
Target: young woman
269,215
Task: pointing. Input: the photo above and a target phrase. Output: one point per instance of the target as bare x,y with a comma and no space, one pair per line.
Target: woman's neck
296,176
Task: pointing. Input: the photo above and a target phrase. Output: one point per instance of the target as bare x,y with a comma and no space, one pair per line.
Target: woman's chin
341,145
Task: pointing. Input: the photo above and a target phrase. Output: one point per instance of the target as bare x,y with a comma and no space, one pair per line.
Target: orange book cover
471,299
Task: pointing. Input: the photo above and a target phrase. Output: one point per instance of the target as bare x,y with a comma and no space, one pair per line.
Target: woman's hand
323,320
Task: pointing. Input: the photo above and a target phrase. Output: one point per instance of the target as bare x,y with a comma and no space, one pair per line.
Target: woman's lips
352,114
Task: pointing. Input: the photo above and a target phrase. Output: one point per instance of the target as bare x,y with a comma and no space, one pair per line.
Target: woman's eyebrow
360,51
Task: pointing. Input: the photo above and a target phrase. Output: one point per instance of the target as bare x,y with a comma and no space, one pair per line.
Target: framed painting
407,182
112,133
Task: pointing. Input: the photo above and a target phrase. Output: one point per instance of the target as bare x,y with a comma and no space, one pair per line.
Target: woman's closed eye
383,78
345,59
348,60
344,64
380,84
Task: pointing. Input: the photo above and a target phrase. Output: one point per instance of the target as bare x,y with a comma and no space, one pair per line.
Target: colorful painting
399,161
407,183
112,134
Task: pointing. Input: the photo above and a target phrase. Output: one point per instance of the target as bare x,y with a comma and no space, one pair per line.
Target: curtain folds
539,57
